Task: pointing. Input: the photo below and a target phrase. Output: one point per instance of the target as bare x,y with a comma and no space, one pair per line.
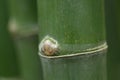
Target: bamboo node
49,46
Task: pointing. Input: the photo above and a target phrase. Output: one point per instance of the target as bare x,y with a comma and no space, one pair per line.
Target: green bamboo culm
24,15
72,39
113,38
9,69
23,26
29,62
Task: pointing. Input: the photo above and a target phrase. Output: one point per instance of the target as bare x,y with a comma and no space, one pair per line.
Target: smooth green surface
23,14
77,25
81,67
113,38
28,58
8,62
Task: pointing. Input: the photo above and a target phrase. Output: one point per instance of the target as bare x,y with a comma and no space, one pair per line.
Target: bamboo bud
49,46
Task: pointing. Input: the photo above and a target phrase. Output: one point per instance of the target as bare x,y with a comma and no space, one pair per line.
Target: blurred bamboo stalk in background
23,26
113,38
9,69
72,39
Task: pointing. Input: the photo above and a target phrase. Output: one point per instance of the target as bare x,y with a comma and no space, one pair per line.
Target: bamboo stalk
29,61
9,69
23,26
24,16
113,38
72,39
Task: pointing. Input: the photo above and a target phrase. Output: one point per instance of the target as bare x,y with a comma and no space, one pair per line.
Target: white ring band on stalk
100,48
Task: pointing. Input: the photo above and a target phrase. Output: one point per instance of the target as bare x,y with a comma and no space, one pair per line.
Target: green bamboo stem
24,16
8,61
78,67
72,39
29,61
23,26
76,25
113,38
